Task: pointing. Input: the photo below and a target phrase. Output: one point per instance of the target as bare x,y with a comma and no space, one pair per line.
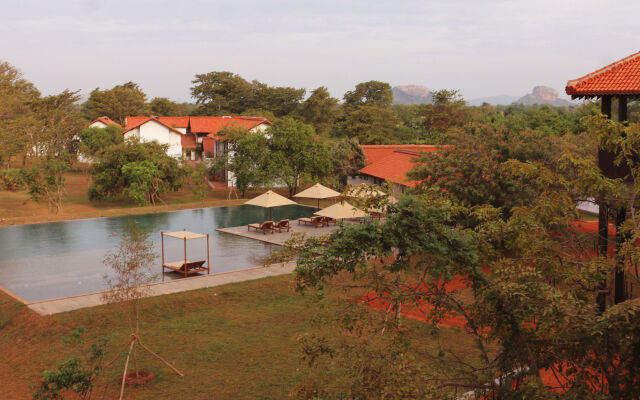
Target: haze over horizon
482,48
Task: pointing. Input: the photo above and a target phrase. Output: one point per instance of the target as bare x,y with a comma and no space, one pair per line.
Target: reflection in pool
43,261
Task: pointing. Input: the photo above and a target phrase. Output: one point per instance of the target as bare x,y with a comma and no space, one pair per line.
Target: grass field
232,342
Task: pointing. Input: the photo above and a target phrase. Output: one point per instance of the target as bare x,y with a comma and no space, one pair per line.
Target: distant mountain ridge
411,94
416,94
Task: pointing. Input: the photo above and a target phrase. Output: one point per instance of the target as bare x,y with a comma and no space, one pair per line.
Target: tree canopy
117,102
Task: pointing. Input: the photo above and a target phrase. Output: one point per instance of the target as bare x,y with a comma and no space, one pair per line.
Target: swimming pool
56,259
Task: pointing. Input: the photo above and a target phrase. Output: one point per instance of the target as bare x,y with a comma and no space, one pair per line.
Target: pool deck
70,303
279,237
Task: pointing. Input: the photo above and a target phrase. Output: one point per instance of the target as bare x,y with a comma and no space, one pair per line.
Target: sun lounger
316,221
282,225
188,268
264,227
328,221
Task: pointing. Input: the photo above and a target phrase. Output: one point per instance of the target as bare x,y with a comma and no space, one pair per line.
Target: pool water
43,261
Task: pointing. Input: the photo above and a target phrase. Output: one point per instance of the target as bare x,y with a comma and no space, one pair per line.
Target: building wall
153,130
98,124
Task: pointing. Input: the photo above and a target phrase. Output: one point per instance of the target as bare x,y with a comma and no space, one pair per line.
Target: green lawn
237,341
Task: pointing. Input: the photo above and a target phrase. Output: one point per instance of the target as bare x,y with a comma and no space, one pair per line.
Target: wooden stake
126,365
160,358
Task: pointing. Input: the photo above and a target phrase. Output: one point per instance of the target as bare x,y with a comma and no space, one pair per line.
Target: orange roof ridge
106,120
620,77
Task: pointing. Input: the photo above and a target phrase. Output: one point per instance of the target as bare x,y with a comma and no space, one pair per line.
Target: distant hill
543,95
411,94
502,99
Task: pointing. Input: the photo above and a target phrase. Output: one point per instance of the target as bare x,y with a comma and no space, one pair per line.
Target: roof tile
619,78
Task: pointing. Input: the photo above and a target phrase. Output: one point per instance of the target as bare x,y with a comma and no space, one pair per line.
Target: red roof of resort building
375,152
176,122
106,120
207,125
212,125
619,78
393,162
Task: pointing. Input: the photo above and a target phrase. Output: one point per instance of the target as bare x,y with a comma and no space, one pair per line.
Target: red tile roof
375,152
208,125
212,125
134,122
393,162
176,122
619,78
106,120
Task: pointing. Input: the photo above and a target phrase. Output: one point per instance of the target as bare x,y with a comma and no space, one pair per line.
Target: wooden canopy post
162,241
208,261
185,257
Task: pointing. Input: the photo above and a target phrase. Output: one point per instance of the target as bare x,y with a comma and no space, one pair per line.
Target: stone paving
64,304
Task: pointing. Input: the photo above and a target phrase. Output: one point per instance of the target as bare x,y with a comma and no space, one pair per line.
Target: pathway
64,304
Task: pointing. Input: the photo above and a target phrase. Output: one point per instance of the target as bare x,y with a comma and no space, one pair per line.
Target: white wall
98,124
153,130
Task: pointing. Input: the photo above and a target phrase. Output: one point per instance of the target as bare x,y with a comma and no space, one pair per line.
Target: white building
191,138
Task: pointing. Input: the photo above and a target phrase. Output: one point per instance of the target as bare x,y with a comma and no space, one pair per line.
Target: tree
321,110
198,178
280,101
249,159
109,180
51,129
93,141
46,181
370,125
371,93
163,107
472,168
130,265
296,154
144,181
54,122
117,102
447,111
74,374
218,93
535,313
347,157
16,94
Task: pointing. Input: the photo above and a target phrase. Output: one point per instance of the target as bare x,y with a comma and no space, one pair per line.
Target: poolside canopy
341,210
319,192
185,266
269,200
185,235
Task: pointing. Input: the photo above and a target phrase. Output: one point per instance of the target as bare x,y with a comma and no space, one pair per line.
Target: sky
482,48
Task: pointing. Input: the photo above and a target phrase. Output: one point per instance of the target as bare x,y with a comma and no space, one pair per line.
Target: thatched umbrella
319,192
269,200
341,210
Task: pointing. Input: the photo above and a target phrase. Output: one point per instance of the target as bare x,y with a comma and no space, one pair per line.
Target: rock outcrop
543,95
411,94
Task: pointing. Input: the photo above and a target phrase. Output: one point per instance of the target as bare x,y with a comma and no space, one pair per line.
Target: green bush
11,179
